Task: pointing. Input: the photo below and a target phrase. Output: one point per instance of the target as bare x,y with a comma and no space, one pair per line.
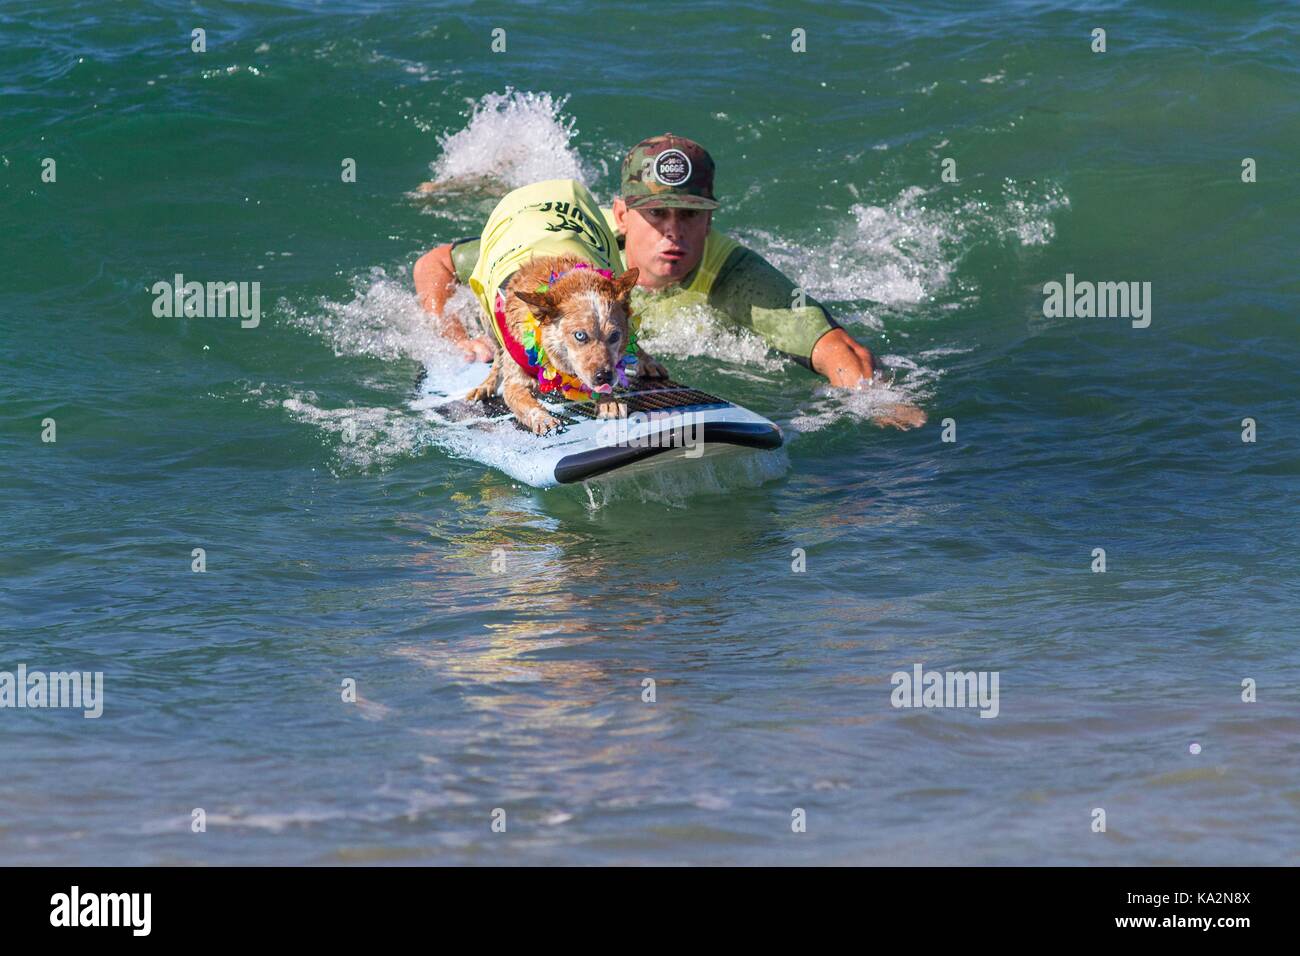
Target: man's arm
436,278
759,296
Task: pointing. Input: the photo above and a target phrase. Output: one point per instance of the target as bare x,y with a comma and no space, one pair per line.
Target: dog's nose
604,376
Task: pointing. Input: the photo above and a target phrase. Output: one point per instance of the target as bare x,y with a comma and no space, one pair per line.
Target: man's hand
901,416
435,281
476,350
846,364
842,360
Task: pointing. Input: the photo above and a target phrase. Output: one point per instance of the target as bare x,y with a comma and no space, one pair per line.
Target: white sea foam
365,437
700,331
384,320
899,254
906,250
829,405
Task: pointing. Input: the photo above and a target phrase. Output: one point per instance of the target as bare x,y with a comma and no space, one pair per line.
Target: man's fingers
476,350
902,417
865,359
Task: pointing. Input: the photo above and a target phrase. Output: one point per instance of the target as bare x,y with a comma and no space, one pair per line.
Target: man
663,221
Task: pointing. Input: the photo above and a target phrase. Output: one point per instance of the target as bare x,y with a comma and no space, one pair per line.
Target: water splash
906,251
830,405
898,256
364,438
383,320
512,139
701,331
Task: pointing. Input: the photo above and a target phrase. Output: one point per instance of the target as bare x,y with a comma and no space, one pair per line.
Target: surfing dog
567,328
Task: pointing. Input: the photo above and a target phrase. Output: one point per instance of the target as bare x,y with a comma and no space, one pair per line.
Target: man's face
664,243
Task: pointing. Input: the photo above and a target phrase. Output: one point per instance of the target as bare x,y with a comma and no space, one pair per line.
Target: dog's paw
649,368
480,394
611,410
543,423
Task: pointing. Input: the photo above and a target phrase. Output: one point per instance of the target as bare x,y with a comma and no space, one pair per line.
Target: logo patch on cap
672,167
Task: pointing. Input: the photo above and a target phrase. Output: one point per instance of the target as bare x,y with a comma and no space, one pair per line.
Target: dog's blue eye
580,335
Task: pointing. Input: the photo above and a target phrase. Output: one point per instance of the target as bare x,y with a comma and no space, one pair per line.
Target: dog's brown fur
581,302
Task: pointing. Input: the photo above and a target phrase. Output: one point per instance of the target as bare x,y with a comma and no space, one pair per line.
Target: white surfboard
667,422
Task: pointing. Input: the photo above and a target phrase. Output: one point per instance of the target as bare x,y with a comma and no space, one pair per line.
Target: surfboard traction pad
655,395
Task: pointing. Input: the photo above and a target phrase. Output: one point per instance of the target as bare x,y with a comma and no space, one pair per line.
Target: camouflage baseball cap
668,170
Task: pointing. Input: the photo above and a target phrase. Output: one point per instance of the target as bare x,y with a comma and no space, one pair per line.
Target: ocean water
499,637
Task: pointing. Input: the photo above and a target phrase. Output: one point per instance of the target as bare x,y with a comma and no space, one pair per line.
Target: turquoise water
346,539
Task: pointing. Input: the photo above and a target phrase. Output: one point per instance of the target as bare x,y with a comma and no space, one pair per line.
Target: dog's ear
624,283
542,304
